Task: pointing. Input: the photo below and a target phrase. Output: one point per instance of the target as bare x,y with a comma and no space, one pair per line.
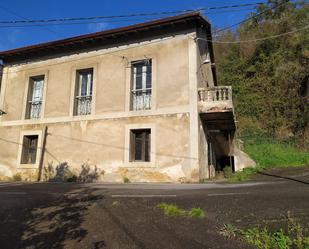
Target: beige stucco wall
170,78
101,138
102,143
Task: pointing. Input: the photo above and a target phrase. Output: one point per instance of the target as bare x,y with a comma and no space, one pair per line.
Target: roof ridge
101,34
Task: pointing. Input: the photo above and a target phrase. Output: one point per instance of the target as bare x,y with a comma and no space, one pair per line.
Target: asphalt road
68,215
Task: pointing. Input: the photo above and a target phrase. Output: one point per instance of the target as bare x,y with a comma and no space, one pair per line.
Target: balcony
215,106
215,99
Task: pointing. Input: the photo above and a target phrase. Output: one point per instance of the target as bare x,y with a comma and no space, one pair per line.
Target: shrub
126,180
16,177
72,178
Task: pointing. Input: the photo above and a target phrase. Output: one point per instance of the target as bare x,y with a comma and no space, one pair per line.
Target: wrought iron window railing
141,99
83,105
35,109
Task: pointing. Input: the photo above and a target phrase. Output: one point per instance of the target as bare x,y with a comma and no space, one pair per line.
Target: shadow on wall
52,224
63,173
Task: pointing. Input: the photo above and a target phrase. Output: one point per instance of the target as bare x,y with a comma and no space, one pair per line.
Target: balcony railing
83,105
218,93
35,109
215,99
141,99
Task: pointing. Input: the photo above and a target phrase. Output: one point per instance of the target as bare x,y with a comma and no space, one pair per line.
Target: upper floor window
141,85
35,97
83,92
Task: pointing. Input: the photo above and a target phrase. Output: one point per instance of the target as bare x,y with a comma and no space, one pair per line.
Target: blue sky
47,9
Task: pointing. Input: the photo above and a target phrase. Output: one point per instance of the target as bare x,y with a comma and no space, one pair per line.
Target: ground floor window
29,149
140,145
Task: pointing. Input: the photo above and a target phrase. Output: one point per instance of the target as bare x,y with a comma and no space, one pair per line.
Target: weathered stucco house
139,102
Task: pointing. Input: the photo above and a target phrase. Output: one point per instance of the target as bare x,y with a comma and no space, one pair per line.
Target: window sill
141,111
141,164
28,166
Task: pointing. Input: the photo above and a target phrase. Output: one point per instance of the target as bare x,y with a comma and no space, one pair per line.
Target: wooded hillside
270,77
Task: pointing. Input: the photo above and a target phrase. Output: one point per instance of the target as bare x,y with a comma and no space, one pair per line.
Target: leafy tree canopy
270,78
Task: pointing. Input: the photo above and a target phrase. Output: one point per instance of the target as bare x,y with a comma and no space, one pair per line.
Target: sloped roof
93,39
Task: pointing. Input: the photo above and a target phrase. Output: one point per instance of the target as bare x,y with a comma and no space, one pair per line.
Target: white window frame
33,74
141,95
39,148
129,85
89,90
74,71
30,101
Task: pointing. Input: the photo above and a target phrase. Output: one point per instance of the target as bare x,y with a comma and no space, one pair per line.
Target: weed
196,213
263,238
227,171
126,180
244,174
115,204
229,231
171,209
16,177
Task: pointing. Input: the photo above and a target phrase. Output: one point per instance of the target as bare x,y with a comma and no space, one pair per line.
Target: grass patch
174,210
196,213
296,236
227,171
244,175
171,209
272,154
269,153
229,231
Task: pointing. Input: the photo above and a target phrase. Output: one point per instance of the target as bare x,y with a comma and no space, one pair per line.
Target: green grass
171,209
268,154
296,236
244,175
174,210
263,239
196,213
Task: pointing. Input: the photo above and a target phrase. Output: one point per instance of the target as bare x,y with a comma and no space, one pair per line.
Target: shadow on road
49,225
283,177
